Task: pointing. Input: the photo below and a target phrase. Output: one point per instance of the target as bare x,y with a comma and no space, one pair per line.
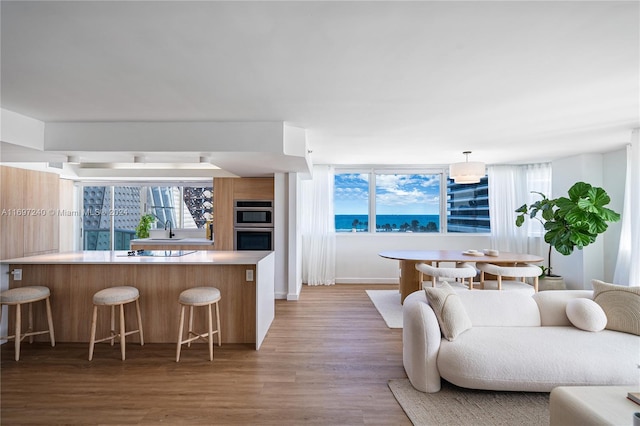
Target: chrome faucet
171,234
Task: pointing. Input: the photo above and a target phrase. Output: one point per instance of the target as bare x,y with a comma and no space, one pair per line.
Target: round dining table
410,276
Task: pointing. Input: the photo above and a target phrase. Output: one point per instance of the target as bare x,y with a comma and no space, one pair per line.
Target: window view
468,207
101,216
408,203
403,202
164,203
105,221
351,202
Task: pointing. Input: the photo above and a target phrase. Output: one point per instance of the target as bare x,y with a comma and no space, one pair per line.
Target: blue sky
395,193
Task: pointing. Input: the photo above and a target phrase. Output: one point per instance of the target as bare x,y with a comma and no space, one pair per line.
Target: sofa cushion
537,359
621,305
586,314
452,317
553,305
488,308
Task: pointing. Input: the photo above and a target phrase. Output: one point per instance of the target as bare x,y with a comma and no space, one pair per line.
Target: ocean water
389,222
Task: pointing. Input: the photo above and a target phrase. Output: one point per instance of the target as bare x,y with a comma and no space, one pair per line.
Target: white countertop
120,258
172,241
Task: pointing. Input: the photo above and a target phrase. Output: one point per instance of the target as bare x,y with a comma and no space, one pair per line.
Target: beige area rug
458,406
387,302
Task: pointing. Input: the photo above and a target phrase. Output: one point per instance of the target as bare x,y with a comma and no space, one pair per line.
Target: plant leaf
582,238
609,215
578,190
596,224
576,215
599,197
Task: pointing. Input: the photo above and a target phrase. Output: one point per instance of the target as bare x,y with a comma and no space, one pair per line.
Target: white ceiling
405,83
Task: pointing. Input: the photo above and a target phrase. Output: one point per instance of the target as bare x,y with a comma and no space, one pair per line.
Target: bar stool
199,296
462,270
519,270
115,296
27,295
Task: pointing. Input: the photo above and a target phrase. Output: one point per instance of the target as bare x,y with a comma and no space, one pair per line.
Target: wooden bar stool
115,296
27,295
199,296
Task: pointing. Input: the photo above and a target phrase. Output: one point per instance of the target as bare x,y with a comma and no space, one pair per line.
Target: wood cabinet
11,225
223,213
29,207
225,191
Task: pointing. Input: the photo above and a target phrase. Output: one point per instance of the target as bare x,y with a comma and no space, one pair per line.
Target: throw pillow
586,314
620,304
449,310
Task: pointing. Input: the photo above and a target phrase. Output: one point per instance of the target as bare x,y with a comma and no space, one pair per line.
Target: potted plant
142,230
572,222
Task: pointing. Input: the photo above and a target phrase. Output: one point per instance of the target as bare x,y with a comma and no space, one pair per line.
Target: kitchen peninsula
245,280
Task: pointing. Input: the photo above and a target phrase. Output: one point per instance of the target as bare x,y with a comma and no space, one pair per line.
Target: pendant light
467,172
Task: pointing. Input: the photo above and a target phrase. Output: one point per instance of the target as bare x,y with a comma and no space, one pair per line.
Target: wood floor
326,361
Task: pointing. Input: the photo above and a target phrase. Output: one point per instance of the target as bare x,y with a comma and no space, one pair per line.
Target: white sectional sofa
516,342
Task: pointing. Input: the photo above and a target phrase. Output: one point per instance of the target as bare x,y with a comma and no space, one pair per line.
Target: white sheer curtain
628,262
318,228
509,188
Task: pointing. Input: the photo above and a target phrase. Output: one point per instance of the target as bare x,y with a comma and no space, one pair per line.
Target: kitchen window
110,214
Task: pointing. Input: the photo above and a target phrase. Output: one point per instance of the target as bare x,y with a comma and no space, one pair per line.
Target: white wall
288,239
614,176
357,259
295,238
280,234
598,259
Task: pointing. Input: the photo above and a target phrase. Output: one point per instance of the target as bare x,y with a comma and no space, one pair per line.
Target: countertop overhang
199,257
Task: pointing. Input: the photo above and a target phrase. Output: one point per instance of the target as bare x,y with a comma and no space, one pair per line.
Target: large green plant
142,230
571,222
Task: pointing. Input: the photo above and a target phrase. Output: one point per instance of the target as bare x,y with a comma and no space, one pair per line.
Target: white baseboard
367,281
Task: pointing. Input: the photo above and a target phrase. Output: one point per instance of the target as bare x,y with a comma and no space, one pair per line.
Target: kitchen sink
165,239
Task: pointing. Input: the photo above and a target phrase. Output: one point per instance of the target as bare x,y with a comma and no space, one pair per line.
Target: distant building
468,207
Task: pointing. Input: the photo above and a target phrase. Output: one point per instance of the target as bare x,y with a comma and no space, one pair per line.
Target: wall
68,228
614,177
598,259
280,244
357,259
294,248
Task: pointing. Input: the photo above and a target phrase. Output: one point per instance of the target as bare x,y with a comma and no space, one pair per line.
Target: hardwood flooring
326,361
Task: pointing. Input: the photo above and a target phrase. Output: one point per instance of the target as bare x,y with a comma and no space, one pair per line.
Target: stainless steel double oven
253,225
